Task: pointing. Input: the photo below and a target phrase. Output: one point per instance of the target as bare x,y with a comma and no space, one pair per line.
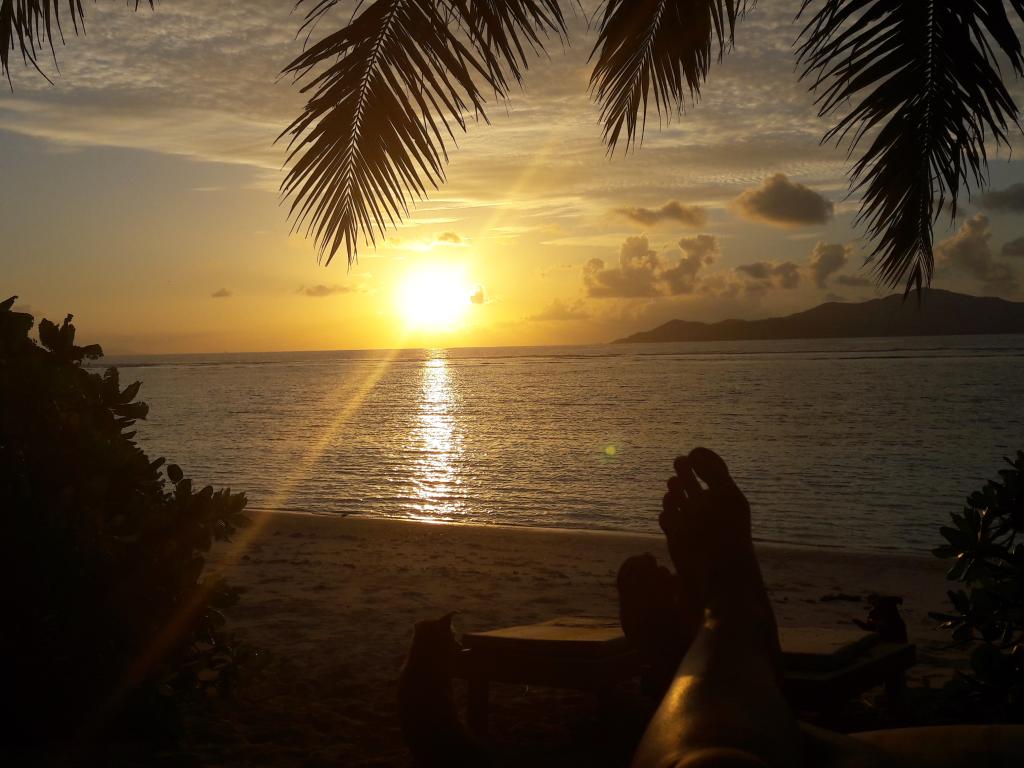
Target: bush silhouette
106,612
986,542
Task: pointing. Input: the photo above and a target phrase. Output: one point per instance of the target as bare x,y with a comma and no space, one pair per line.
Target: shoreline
760,543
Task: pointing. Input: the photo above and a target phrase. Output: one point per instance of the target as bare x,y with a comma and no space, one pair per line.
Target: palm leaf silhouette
926,92
662,47
31,26
386,93
916,81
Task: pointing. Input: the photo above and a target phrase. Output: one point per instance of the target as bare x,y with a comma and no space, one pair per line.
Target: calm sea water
857,443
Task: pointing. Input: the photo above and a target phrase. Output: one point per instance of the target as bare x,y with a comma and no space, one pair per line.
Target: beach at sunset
512,383
333,601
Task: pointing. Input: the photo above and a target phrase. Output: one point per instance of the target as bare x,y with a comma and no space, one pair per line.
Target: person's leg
724,706
652,616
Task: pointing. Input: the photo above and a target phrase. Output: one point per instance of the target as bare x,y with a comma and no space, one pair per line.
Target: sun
435,297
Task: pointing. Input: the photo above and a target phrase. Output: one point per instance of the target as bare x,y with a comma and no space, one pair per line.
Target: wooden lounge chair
822,667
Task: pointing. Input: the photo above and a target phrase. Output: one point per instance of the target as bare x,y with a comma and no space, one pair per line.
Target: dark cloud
449,237
642,273
559,311
770,274
673,210
1010,199
759,270
1014,248
637,275
478,296
698,252
854,281
222,293
969,252
782,202
787,275
827,259
322,291
721,287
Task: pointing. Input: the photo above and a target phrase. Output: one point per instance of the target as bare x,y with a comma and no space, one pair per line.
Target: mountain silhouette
939,313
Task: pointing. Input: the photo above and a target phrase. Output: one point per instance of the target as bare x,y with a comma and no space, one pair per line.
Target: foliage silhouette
925,82
107,613
388,89
986,542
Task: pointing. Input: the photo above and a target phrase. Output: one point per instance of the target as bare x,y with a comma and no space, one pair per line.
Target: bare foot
706,520
706,528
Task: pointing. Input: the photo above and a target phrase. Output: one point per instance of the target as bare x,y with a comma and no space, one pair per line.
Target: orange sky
140,192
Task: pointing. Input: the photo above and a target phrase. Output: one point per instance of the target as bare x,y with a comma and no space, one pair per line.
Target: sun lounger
822,667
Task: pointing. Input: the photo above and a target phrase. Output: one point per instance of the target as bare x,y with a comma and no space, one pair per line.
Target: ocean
864,444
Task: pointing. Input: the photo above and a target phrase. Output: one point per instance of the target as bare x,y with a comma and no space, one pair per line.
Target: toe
671,514
711,468
685,477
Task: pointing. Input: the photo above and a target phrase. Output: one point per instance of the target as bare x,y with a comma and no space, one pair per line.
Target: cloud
642,273
1010,199
770,273
635,277
835,297
698,252
783,203
1014,248
854,281
721,287
969,252
559,311
449,237
478,296
321,291
827,259
673,210
221,293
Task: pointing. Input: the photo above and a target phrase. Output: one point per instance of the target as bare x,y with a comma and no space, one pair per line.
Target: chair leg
479,694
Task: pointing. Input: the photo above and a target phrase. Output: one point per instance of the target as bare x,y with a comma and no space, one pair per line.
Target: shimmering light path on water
859,443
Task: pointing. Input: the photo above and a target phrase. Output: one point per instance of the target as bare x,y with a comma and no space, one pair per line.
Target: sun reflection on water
438,444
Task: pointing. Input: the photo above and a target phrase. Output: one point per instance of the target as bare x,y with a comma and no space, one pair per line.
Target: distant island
939,313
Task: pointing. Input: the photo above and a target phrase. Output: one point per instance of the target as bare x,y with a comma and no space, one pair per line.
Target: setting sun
435,297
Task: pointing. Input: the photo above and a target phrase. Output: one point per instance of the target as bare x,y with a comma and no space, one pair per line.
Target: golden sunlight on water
584,436
438,444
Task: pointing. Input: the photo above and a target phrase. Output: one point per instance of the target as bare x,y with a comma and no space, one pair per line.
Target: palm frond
29,27
386,93
506,32
925,89
664,47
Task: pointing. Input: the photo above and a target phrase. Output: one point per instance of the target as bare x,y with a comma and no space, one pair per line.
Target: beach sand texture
333,600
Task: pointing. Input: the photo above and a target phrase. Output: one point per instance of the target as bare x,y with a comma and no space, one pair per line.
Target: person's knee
719,757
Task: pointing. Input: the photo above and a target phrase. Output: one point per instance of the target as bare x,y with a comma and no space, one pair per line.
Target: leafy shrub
105,609
986,542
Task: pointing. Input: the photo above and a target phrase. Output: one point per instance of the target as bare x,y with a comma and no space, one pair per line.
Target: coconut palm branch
919,83
30,27
664,47
386,94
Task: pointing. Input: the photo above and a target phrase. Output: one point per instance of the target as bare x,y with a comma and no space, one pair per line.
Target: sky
139,191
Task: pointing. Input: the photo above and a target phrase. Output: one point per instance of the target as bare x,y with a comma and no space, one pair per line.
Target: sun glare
435,297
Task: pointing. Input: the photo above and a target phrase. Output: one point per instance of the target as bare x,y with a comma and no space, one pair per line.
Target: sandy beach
333,600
